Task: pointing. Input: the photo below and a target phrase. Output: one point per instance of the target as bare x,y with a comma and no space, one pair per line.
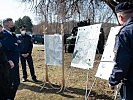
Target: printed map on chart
106,64
53,50
85,46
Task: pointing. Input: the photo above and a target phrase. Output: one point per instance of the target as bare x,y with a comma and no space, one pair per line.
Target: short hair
5,21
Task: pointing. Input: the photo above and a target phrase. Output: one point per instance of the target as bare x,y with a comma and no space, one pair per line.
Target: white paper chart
85,46
106,65
53,49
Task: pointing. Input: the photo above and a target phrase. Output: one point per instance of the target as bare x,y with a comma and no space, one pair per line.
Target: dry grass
75,81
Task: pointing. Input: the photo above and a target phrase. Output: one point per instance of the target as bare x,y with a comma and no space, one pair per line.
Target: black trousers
13,90
126,92
14,81
30,64
4,79
4,89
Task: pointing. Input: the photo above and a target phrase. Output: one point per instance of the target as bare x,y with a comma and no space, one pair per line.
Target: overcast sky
14,9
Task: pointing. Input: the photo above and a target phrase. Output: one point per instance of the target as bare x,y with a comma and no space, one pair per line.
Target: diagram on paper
53,50
85,46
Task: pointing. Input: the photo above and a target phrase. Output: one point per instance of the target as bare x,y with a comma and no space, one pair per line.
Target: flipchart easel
47,84
85,48
106,63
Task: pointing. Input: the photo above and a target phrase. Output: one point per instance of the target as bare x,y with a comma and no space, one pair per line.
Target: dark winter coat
123,68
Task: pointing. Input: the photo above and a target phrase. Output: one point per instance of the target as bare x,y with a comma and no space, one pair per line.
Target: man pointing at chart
123,49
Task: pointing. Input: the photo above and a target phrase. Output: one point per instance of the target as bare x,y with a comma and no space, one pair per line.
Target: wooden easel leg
63,89
47,84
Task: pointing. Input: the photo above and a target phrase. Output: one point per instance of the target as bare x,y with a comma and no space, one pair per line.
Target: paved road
37,45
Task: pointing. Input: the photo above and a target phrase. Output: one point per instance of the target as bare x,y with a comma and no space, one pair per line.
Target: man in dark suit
25,55
10,45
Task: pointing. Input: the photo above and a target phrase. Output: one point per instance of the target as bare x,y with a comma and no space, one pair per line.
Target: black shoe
24,80
35,80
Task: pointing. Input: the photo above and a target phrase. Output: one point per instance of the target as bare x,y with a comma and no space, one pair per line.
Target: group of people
11,49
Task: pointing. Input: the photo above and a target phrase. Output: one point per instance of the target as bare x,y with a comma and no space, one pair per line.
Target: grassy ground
75,82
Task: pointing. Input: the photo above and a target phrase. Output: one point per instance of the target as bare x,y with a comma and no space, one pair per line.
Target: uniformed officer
26,52
10,46
4,73
123,68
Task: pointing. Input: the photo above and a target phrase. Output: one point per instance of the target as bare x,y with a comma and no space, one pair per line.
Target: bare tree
71,6
59,11
66,9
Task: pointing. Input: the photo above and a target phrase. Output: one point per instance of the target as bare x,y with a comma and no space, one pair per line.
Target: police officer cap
123,7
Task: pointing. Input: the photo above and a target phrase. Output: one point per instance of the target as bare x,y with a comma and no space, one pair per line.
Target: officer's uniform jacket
12,49
123,49
11,46
4,72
